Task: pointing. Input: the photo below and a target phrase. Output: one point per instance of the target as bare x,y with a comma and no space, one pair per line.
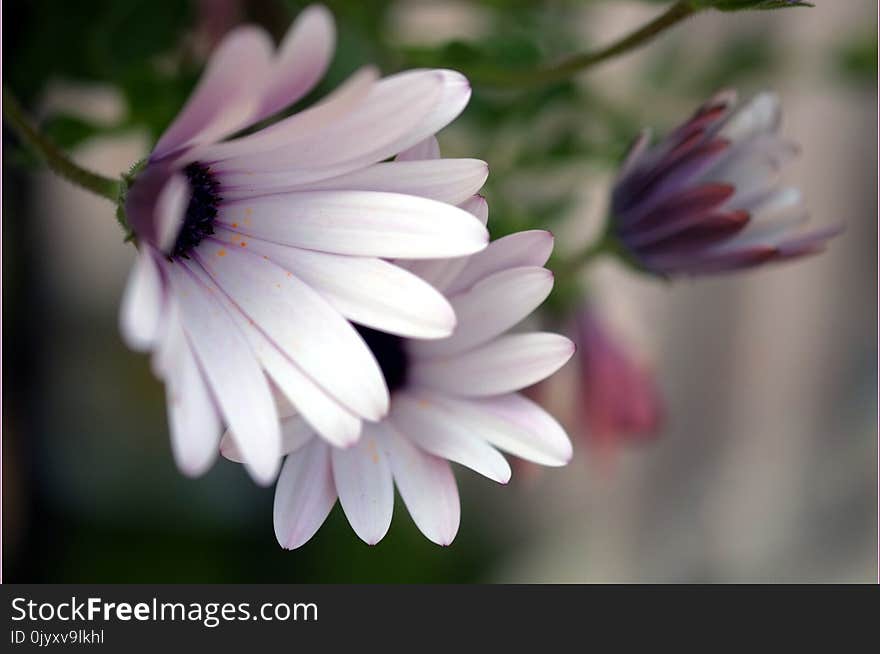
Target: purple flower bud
707,198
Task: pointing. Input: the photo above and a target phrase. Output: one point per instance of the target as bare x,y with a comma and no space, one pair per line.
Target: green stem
579,62
57,160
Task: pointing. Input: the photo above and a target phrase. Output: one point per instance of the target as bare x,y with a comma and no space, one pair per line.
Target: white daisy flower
453,399
255,252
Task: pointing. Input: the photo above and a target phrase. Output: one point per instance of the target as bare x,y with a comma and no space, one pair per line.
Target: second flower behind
452,400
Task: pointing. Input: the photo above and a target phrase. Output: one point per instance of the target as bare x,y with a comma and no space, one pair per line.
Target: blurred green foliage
855,59
106,41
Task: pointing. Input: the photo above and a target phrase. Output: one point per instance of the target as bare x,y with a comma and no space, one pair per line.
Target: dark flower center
201,211
390,353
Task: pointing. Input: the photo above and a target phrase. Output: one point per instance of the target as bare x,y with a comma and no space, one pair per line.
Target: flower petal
446,180
489,308
391,109
362,475
677,212
171,205
163,354
142,302
636,151
231,370
363,223
301,323
304,495
759,115
332,421
438,432
511,423
337,104
506,364
295,433
225,98
528,248
426,485
439,273
369,291
421,151
192,415
302,59
454,97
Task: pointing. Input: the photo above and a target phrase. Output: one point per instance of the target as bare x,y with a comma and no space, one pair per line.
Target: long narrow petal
477,207
304,495
715,261
669,178
678,211
362,223
489,308
302,59
636,150
163,355
171,205
301,323
759,115
711,230
506,364
511,423
807,243
435,431
369,291
426,485
327,417
295,433
142,303
421,151
192,415
440,273
362,474
232,372
454,97
446,180
226,96
390,110
330,419
338,103
528,248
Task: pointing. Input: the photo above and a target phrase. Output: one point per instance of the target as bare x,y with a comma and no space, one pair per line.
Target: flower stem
579,62
57,160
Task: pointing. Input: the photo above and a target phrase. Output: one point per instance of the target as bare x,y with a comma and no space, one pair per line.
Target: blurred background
764,469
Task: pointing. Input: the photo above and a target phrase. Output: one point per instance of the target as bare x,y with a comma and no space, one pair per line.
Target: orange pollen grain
371,450
221,253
